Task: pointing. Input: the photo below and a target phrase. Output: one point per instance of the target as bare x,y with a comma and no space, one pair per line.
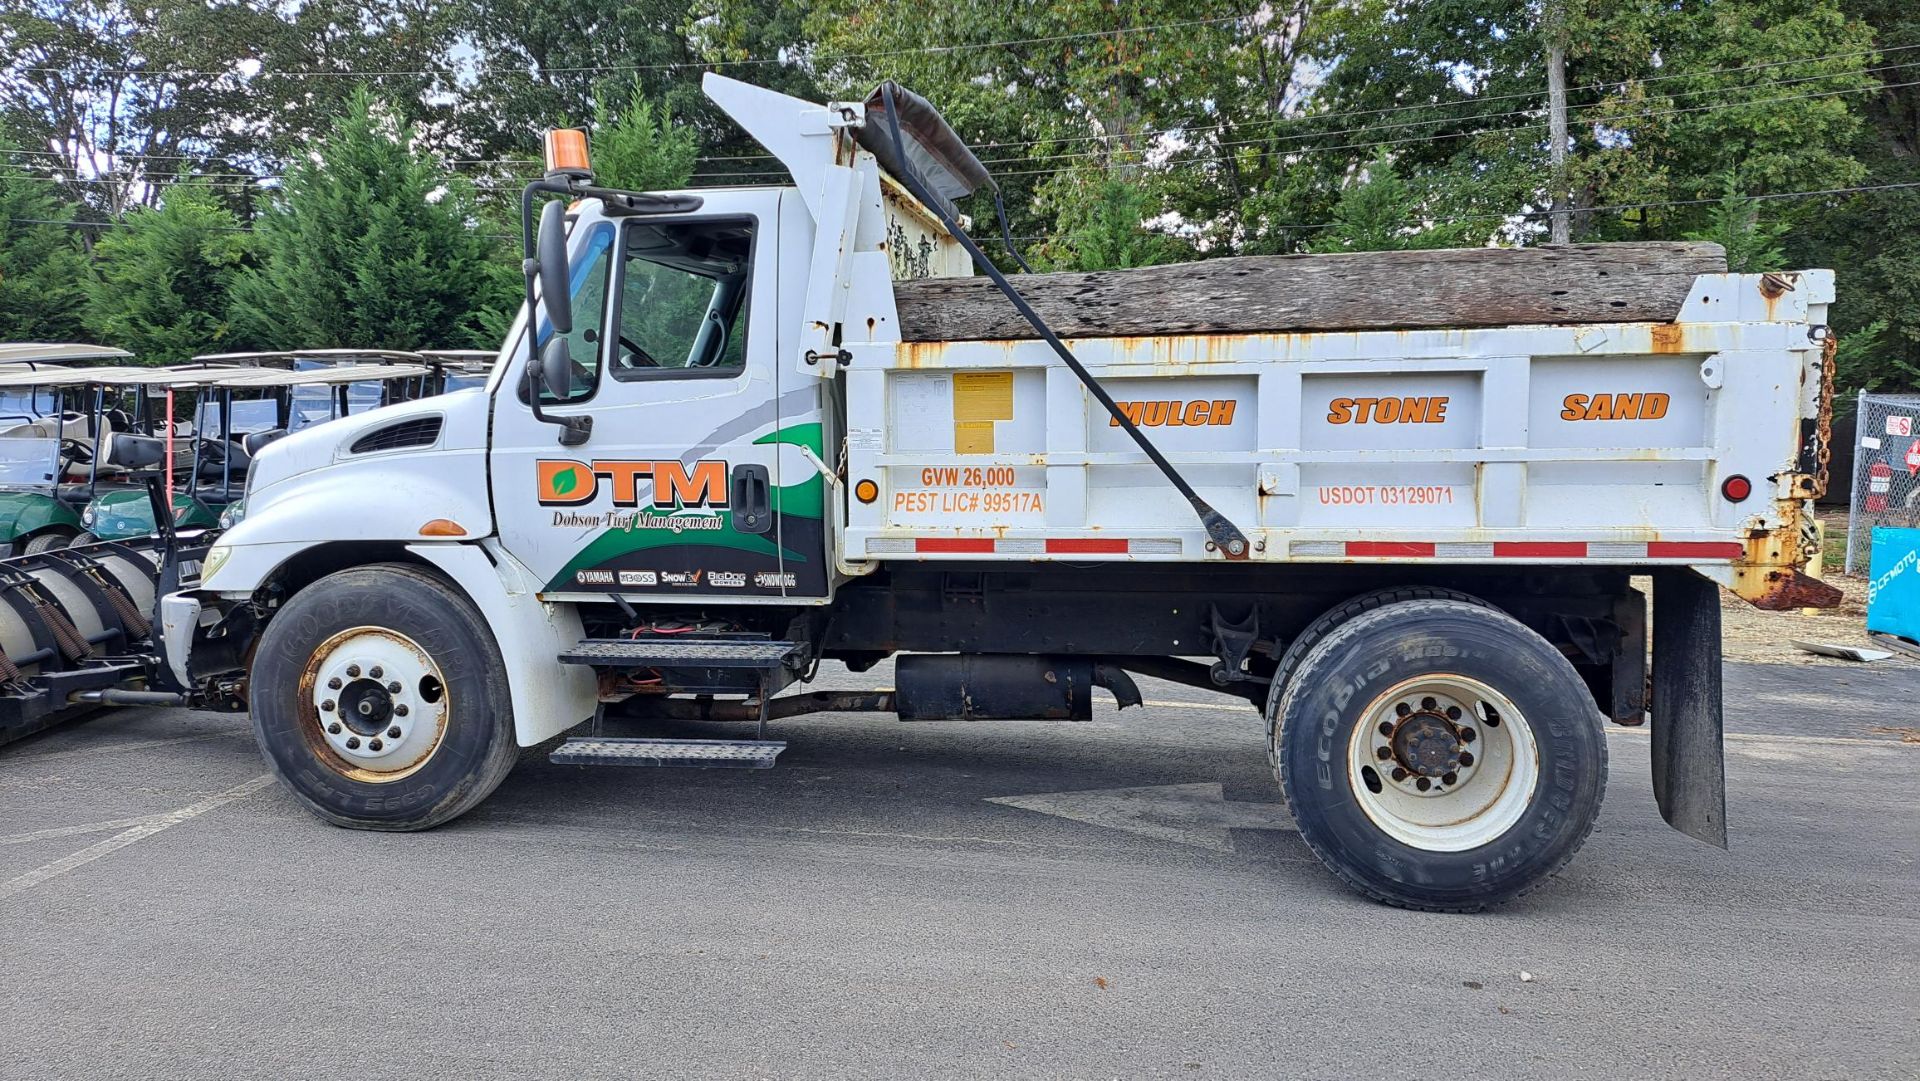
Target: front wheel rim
1443,763
375,704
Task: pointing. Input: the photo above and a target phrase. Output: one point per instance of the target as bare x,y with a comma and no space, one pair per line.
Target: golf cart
459,369
238,411
42,459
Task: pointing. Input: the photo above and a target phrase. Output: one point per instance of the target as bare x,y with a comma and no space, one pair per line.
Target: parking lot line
13,887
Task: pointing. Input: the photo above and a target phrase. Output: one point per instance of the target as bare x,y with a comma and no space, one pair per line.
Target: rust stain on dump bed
1669,338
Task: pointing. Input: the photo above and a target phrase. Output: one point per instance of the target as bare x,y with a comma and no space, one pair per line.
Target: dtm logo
663,485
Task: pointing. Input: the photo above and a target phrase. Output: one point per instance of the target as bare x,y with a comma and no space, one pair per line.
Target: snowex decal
666,526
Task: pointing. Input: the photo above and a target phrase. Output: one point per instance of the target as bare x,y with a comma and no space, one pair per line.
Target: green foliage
1753,245
1106,230
42,269
371,245
163,281
640,148
1381,213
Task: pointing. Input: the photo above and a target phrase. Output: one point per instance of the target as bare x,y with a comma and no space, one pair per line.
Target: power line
1187,128
694,65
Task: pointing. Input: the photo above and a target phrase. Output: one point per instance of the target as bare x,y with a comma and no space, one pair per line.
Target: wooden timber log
1460,287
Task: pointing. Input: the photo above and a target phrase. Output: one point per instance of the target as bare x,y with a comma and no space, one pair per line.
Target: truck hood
463,426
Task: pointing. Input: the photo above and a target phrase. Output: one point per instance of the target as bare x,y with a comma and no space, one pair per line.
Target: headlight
86,516
217,557
235,511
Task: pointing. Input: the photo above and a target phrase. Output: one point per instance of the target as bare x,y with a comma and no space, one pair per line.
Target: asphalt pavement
1117,898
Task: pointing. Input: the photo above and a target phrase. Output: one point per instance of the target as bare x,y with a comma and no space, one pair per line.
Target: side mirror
551,250
556,368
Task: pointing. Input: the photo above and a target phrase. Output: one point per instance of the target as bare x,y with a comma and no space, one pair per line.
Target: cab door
672,495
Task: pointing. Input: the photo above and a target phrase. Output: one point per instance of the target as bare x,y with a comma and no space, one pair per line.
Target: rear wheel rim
1443,763
374,704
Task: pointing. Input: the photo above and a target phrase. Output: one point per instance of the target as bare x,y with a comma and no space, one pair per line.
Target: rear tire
83,538
1324,625
50,540
1440,755
380,700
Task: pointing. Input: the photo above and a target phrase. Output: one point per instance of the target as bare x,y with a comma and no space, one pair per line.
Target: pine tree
1753,246
163,280
372,245
640,148
1381,213
1107,231
42,269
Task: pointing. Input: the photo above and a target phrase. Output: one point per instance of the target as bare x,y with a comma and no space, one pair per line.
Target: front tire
1440,755
50,540
380,700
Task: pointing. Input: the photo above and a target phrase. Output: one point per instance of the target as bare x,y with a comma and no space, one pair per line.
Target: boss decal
661,485
1649,406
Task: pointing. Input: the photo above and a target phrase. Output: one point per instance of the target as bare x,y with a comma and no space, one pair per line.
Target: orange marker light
442,527
567,152
866,491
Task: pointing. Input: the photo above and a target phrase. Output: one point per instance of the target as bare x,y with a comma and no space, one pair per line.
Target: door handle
752,499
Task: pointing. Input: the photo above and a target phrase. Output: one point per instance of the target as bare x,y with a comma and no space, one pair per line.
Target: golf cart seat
253,441
125,450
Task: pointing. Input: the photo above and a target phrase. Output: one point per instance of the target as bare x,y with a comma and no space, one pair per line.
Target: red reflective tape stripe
1416,549
1694,550
1087,546
1540,549
953,544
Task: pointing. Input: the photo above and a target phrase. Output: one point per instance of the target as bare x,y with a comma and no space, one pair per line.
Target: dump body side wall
1596,444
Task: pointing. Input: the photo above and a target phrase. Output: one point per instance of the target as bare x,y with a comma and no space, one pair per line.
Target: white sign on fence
1899,425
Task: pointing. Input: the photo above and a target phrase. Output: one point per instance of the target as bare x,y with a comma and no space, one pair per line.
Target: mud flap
1689,764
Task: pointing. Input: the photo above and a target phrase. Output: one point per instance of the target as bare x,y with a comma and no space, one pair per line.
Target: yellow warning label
973,437
982,396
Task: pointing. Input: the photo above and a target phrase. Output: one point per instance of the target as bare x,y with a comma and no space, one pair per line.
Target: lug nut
327,706
1453,713
1386,728
1399,774
1428,702
1466,735
1402,708
394,732
1449,778
374,672
375,745
1384,753
1423,784
333,684
1466,758
394,687
400,711
353,743
334,728
353,670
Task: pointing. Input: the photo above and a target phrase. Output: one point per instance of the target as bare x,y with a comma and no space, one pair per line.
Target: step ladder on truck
1394,502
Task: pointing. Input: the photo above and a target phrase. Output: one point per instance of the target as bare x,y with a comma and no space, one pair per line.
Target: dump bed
1646,415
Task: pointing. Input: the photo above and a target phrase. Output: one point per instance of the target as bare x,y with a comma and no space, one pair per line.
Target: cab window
683,299
589,283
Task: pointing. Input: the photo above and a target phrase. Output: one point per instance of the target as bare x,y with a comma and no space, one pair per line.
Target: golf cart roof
269,357
57,352
181,375
342,356
21,375
345,373
461,356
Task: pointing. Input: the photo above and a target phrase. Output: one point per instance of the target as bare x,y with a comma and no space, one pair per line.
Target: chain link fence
1886,472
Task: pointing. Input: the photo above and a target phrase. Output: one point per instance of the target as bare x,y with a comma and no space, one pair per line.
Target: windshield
249,415
28,462
26,404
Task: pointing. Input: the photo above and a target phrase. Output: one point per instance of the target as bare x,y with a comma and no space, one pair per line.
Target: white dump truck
1397,503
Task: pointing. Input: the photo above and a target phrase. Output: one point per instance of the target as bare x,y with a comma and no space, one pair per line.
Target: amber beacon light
866,491
567,152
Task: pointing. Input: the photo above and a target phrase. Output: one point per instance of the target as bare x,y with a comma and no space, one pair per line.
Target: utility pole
1554,15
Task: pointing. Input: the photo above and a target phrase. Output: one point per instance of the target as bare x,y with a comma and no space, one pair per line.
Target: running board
696,753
